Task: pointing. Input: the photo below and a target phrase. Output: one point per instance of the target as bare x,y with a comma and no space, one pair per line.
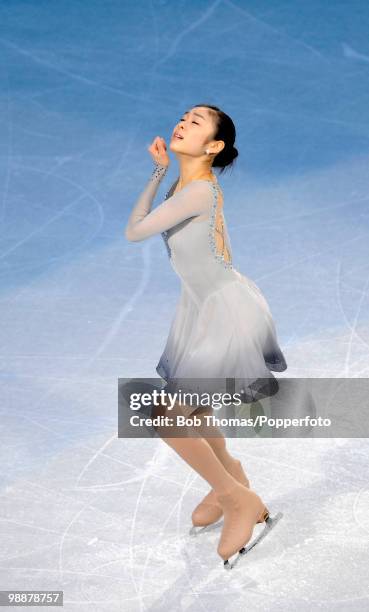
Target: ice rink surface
86,86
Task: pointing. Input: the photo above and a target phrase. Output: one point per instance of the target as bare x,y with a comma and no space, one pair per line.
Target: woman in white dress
222,328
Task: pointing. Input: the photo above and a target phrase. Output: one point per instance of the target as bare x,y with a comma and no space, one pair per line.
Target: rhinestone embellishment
165,238
158,172
218,256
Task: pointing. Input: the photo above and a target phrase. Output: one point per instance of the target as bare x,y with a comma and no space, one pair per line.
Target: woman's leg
195,450
209,510
215,438
242,508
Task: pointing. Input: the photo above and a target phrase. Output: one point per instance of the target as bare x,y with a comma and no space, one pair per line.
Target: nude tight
208,456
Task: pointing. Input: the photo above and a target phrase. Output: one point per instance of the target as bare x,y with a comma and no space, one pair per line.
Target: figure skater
222,327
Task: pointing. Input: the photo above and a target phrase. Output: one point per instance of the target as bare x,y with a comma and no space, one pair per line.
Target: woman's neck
188,174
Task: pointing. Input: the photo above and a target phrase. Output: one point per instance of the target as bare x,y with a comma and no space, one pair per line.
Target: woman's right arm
143,205
193,200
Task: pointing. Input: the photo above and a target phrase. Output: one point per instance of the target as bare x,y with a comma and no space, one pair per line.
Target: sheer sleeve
193,200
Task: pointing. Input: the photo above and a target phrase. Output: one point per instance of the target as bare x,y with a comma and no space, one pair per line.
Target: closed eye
197,123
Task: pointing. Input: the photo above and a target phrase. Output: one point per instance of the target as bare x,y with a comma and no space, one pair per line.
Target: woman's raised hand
158,151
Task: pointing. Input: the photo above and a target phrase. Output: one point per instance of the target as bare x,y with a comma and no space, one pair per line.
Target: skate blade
270,523
194,531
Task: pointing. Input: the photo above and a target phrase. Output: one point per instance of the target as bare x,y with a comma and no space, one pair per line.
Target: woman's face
193,132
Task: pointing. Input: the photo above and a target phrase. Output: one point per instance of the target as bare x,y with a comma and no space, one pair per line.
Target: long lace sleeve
194,199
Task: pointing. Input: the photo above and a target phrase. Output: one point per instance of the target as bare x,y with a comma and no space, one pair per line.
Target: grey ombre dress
222,327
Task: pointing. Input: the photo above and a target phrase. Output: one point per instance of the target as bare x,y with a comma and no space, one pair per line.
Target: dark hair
226,131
